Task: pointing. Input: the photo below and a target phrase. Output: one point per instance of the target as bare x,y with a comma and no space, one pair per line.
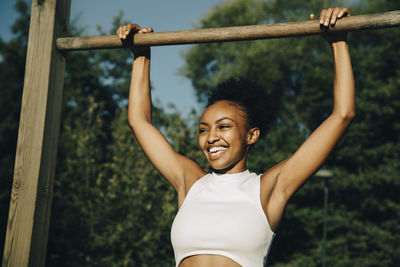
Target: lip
215,152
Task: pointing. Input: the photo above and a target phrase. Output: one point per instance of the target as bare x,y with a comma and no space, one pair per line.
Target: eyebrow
219,120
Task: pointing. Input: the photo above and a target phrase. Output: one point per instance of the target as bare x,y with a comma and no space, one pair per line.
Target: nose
213,136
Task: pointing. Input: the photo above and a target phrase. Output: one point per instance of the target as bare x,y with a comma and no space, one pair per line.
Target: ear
252,135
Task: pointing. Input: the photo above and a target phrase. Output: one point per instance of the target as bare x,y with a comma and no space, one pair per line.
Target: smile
216,151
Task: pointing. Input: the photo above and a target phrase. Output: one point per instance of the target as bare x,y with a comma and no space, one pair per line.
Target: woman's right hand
327,19
126,32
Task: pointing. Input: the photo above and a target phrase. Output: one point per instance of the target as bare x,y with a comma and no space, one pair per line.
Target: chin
221,169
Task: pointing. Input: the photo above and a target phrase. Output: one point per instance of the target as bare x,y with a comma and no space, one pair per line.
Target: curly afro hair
250,98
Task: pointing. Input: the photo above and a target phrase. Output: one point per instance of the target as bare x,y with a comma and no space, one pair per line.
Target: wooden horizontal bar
239,33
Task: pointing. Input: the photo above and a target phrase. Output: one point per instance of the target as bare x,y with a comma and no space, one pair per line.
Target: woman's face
224,138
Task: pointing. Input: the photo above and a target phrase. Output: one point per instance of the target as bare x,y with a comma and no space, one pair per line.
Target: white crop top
222,215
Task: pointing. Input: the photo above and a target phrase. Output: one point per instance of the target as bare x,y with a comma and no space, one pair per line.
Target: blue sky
162,15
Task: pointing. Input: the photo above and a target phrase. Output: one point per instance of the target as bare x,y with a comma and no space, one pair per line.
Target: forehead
223,109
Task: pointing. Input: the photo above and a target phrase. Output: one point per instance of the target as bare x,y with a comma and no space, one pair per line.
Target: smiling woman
225,138
228,217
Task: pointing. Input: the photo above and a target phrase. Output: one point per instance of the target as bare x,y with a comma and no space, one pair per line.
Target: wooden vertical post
32,189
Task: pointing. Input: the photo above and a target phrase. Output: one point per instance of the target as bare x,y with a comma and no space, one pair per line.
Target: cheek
240,141
236,136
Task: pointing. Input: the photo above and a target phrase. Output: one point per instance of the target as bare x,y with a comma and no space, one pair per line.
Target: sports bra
222,215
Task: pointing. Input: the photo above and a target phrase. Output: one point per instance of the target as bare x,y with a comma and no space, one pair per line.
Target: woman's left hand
328,18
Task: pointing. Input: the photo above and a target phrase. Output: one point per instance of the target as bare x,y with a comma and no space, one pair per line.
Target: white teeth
217,148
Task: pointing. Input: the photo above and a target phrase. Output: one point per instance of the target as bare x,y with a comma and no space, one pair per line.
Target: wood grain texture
32,190
240,33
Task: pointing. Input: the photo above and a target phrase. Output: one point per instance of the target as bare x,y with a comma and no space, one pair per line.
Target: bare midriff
209,261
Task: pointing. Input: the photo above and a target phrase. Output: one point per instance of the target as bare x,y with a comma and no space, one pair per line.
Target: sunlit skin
225,138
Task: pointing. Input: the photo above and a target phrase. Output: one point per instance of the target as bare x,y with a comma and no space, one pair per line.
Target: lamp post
326,175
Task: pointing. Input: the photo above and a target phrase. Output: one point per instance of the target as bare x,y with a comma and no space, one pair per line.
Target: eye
202,130
224,126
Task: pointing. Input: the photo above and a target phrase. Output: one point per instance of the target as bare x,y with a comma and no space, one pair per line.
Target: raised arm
180,171
282,181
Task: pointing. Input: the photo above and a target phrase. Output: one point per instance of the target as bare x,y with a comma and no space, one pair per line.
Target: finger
312,17
322,16
334,16
128,29
328,16
145,30
118,32
124,30
131,29
344,12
